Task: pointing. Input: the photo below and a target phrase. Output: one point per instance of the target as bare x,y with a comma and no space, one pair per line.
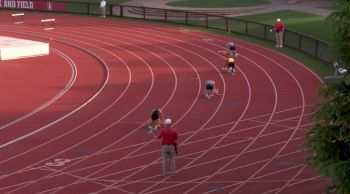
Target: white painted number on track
58,162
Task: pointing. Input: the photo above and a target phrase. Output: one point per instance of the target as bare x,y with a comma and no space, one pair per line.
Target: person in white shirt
103,8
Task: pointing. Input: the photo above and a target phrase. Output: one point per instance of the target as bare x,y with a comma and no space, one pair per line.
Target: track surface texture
75,121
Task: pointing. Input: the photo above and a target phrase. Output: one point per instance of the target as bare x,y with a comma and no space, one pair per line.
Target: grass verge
217,3
306,23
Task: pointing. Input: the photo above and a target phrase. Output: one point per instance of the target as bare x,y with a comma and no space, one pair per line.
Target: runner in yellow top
230,65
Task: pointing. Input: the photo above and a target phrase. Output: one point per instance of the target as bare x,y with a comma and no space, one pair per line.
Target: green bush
329,139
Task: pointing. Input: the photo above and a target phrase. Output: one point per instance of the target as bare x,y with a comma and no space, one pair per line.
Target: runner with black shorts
209,89
231,65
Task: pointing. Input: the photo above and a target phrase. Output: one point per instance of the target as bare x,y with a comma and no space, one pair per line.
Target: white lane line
203,124
198,93
69,84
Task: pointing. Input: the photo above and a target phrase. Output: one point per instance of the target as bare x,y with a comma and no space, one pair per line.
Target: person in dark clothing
156,120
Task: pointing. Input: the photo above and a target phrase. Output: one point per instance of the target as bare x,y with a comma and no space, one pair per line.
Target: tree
340,21
329,139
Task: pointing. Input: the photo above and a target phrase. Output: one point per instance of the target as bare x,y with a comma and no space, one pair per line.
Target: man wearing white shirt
103,8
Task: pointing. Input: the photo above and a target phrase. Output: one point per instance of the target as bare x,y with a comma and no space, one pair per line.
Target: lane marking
68,86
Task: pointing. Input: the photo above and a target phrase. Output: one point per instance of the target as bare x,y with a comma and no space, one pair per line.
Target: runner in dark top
156,120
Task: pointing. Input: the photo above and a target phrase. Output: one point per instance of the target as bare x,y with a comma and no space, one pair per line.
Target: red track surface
88,102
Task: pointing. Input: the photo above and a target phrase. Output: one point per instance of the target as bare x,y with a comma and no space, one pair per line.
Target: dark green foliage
329,139
340,21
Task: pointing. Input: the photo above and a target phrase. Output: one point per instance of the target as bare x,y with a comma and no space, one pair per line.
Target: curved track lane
246,140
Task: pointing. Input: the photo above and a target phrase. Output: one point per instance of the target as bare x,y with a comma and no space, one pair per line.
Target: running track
74,121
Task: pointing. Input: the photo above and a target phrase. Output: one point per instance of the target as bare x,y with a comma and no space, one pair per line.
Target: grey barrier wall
299,41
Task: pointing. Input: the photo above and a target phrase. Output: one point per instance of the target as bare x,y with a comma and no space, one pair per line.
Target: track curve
93,139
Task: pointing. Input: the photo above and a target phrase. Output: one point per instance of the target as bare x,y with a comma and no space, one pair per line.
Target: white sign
16,4
32,5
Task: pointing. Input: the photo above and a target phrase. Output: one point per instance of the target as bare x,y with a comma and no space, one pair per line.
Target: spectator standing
169,137
279,29
103,8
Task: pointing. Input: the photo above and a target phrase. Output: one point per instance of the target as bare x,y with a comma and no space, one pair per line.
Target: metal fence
299,41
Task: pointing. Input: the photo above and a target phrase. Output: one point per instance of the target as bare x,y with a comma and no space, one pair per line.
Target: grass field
217,3
309,24
313,25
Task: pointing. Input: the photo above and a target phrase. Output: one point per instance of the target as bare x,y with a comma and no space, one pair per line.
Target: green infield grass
305,23
218,3
312,25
